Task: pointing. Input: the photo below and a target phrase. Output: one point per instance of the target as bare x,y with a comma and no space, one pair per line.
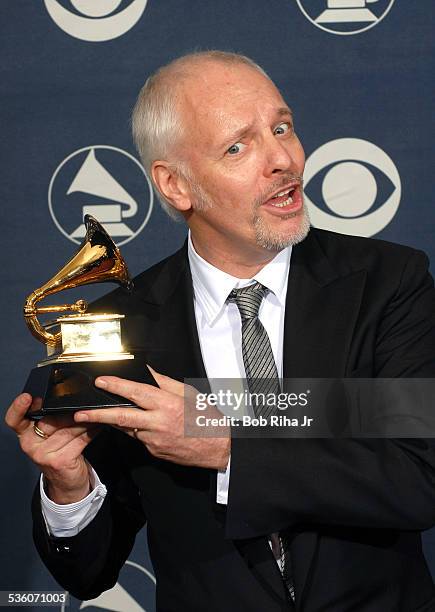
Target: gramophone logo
95,20
351,187
135,579
345,17
106,182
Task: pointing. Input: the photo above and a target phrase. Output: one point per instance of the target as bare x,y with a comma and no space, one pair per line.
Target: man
218,141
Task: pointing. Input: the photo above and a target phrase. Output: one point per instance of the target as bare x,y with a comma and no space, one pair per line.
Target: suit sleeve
368,483
89,562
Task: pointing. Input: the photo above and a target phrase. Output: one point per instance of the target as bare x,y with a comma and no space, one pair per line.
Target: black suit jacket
354,507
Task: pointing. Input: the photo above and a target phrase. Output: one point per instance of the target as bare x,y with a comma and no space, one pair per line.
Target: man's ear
172,185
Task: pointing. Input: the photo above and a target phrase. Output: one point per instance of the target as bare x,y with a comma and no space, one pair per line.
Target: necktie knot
248,299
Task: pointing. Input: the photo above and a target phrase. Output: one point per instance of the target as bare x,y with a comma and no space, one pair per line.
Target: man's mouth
288,199
283,198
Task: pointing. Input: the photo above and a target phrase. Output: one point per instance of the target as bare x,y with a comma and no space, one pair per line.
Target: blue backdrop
358,75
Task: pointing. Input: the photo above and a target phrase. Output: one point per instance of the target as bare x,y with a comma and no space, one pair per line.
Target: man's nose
278,156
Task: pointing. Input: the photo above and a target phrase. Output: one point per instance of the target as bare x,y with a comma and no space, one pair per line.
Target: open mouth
283,198
288,198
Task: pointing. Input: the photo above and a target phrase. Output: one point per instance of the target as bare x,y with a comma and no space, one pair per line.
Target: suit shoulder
151,274
370,253
163,274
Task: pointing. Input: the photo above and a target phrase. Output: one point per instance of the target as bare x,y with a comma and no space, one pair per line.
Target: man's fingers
31,443
63,437
143,395
59,430
119,417
15,416
49,425
61,458
76,445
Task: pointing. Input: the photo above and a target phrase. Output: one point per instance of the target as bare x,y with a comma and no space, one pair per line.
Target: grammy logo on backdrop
94,179
88,345
347,11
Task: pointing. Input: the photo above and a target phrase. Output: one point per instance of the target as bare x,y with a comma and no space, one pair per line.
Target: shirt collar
212,286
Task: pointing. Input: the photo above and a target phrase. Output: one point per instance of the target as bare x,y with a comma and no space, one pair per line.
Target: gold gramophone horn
98,260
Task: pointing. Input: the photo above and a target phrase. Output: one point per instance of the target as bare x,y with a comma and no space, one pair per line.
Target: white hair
156,120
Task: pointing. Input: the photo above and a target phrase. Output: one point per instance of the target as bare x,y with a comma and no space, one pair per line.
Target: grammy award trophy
87,345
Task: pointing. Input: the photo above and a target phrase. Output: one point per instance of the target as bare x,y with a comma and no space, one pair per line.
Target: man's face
242,151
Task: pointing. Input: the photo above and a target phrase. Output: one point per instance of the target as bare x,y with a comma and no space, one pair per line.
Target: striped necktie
260,367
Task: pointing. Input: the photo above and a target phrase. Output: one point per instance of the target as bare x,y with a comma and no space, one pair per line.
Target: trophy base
64,388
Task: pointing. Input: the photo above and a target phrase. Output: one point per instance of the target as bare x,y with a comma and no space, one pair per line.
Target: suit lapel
172,341
321,311
322,307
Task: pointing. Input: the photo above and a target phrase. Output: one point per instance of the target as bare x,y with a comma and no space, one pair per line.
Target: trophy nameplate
88,344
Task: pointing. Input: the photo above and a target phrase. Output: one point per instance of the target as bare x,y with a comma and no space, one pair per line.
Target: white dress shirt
220,337
66,520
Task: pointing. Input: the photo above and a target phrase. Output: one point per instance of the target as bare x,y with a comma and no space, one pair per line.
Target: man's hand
159,420
58,455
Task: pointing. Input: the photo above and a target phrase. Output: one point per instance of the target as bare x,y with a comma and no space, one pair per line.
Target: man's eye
282,128
236,148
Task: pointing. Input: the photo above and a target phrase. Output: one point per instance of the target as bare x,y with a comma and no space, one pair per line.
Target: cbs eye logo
95,20
355,187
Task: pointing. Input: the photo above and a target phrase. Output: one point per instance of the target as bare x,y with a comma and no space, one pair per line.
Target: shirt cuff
67,520
222,484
